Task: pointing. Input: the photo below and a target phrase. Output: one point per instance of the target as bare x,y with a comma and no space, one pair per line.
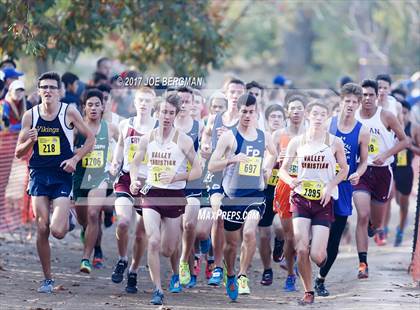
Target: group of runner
201,188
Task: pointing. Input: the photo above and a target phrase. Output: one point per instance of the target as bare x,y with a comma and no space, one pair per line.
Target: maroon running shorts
312,209
377,181
167,202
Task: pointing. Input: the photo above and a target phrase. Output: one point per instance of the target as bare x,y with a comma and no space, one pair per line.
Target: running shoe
363,271
278,250
216,277
197,264
267,277
98,260
118,273
232,288
184,273
320,288
398,237
47,286
85,266
380,237
308,298
371,230
174,285
243,285
131,287
157,298
193,281
283,263
290,283
209,268
205,246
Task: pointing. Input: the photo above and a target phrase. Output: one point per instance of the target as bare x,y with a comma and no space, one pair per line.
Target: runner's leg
302,230
40,205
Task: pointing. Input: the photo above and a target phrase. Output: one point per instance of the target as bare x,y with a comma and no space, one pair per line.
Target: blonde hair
146,89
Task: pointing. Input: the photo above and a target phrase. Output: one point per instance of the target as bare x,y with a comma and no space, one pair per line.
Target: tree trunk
41,65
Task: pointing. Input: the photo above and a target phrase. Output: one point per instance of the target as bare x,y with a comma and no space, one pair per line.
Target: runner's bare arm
76,119
138,158
205,146
415,140
340,157
223,147
287,162
363,154
187,147
27,136
392,123
270,156
118,155
276,140
400,113
113,131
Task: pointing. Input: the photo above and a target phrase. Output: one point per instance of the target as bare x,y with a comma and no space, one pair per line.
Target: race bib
293,170
402,158
156,172
273,179
312,190
94,159
48,146
134,147
251,168
373,147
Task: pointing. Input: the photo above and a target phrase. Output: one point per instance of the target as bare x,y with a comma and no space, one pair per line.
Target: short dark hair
104,88
246,100
399,91
101,60
384,77
296,97
344,80
174,100
8,60
184,89
254,84
93,93
272,108
51,75
236,81
69,78
351,89
97,76
370,83
406,104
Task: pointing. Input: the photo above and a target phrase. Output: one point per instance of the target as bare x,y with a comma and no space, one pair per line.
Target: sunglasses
51,87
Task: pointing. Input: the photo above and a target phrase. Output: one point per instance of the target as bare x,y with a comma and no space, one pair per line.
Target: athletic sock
123,258
363,257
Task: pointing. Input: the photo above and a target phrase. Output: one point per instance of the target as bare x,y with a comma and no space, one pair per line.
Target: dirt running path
389,285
